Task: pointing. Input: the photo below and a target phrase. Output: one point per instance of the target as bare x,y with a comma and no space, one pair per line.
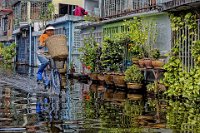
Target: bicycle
52,78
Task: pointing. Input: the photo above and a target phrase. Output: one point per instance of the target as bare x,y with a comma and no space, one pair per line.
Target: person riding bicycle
42,50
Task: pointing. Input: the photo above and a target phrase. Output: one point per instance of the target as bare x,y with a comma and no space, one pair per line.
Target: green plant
178,80
89,55
155,53
47,14
183,116
196,51
8,52
142,34
113,50
133,75
151,87
91,18
136,51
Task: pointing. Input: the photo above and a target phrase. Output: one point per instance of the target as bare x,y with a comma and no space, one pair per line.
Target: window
60,31
66,9
76,41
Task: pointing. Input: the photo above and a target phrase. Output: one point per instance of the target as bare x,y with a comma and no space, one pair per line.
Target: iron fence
168,4
185,44
114,8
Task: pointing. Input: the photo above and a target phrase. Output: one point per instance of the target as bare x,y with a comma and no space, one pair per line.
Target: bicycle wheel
56,81
46,79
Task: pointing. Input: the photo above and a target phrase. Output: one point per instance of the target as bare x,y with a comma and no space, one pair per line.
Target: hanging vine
179,81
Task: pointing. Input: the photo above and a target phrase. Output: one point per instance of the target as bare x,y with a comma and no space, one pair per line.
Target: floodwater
86,107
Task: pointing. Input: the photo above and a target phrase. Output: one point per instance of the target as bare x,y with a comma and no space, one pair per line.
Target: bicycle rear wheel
56,81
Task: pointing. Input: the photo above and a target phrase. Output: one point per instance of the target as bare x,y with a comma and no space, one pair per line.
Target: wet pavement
86,107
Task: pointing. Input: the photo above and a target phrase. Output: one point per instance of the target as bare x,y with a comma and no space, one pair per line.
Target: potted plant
89,56
147,59
108,78
140,33
156,63
112,58
134,97
133,77
136,52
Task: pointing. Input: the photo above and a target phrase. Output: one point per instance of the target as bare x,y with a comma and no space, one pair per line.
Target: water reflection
94,108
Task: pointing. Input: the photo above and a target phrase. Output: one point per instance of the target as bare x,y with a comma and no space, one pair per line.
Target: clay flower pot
119,95
108,94
148,63
108,78
101,77
135,61
93,76
118,80
157,63
141,63
93,87
134,85
134,97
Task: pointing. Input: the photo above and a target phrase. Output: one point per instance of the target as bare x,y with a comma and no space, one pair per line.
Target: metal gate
185,45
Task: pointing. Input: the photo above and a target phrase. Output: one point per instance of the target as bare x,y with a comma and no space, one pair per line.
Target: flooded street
88,107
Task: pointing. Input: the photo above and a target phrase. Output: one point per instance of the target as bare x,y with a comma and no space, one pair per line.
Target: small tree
142,34
47,14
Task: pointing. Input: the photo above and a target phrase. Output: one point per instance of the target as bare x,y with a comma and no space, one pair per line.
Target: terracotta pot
93,87
148,63
134,97
134,85
101,77
158,125
119,95
145,117
157,63
101,88
135,61
108,79
108,94
93,76
141,63
118,80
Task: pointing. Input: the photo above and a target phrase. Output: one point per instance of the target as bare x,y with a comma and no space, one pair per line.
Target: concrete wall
163,42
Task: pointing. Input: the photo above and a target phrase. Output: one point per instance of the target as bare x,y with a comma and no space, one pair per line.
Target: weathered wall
163,42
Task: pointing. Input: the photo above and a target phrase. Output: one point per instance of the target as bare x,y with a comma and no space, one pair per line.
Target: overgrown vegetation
179,81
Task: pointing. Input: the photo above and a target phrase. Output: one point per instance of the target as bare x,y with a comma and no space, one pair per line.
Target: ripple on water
84,108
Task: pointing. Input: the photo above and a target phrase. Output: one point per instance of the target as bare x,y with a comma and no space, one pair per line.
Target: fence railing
115,8
185,44
168,4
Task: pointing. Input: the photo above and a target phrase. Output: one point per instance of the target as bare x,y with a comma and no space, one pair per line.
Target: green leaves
133,75
90,53
180,82
155,53
113,51
195,50
8,52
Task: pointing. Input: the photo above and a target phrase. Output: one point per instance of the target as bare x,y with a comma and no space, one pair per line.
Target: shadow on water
91,108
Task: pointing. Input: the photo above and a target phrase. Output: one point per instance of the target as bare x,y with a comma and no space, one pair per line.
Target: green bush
133,75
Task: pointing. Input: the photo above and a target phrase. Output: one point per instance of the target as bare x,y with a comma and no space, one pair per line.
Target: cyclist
42,50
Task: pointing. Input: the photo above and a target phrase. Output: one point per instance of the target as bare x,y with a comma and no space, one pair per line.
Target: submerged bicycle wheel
56,81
